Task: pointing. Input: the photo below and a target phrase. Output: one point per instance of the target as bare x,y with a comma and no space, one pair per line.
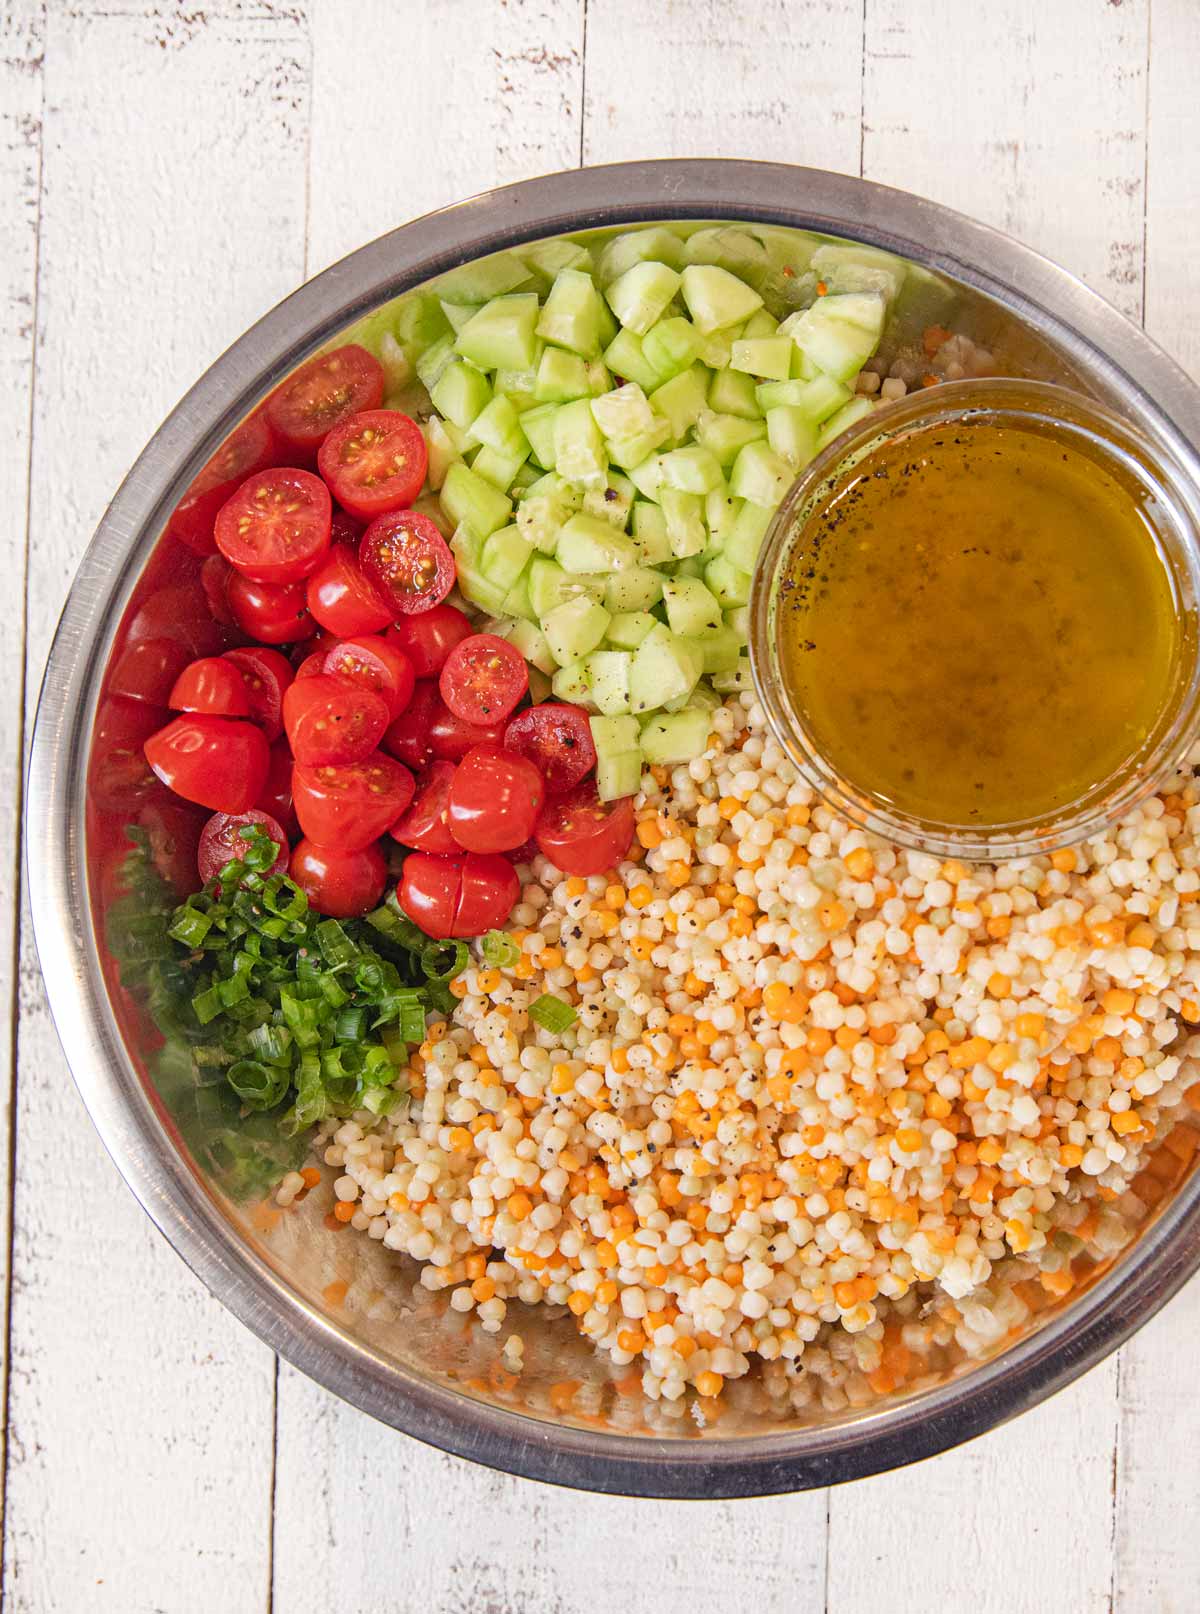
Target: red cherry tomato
276,797
221,762
266,674
429,892
374,662
407,559
275,613
581,834
212,685
450,738
409,737
342,597
483,678
250,447
275,528
323,393
330,720
494,801
557,739
119,777
312,666
220,841
178,612
174,828
374,462
429,637
351,806
320,644
345,529
214,578
490,891
339,883
147,670
424,825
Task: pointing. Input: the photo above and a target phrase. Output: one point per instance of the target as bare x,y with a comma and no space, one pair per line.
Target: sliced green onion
442,961
552,1014
351,1024
259,1086
499,950
336,947
190,927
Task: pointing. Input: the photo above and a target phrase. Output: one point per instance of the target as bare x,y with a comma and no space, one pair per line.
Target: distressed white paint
196,161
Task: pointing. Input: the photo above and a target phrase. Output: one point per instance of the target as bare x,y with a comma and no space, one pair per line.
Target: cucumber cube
816,399
561,376
732,392
588,545
570,683
608,678
719,651
671,346
538,426
636,246
690,470
504,556
686,532
445,445
839,333
618,756
550,586
547,259
761,475
737,617
612,503
624,412
417,320
691,610
519,386
482,279
730,246
747,534
664,667
626,358
730,585
724,436
574,629
471,502
636,589
498,426
460,393
676,737
500,336
541,518
434,360
740,678
720,513
630,451
680,400
639,296
848,415
646,476
650,533
498,468
574,315
766,356
848,266
628,628
549,482
760,325
529,639
715,298
579,454
599,377
516,601
791,434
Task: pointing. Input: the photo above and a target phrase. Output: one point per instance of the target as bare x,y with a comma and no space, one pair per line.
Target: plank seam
583,84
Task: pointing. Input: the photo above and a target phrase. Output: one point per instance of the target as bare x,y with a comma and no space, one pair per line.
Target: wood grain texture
141,1413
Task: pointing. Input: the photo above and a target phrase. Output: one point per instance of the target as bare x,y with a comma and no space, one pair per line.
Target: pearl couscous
827,1105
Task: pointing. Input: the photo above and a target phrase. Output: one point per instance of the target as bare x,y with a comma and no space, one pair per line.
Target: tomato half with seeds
211,685
376,663
409,737
350,806
266,674
330,720
221,841
424,826
220,762
275,528
323,393
408,560
250,447
374,462
275,613
429,637
494,801
343,599
337,883
557,739
483,678
583,835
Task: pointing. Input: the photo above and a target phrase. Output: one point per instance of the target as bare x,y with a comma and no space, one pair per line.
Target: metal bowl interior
391,1347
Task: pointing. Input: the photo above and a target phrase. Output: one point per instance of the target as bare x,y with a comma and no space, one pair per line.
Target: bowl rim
1117,356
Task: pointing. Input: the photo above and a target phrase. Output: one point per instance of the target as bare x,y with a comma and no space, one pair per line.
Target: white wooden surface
167,171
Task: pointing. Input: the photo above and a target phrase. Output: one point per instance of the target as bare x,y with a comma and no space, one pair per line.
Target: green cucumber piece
746,535
618,756
586,544
737,617
690,470
766,356
574,629
611,503
650,533
719,651
579,454
733,248
550,586
639,296
444,443
630,451
504,556
839,333
715,298
459,314
636,246
599,377
541,517
482,279
538,426
816,399
460,393
519,386
646,476
636,589
760,325
732,682
427,504
471,502
791,434
664,667
529,639
720,513
435,358
500,336
498,468
547,259
570,683
728,582
561,376
850,266
732,392
628,628
498,426
624,412
671,346
686,532
681,400
516,601
848,415
608,680
760,475
626,358
574,315
726,435
692,611
676,737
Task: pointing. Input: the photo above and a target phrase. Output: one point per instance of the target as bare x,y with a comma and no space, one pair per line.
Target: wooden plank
141,1413
505,107
1028,116
21,44
780,80
1158,1464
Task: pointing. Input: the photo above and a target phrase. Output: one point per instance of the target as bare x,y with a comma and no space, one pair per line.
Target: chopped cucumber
626,358
732,248
618,756
728,582
541,517
791,434
732,392
676,737
630,451
628,628
579,454
686,532
857,409
766,356
471,502
691,609
623,251
574,315
740,678
516,601
840,332
715,298
608,680
500,335
671,346
570,683
498,468
574,629
747,534
538,426
611,503
460,393
690,470
504,555
529,639
487,277
851,266
636,589
445,445
719,651
624,412
561,376
681,400
760,475
550,586
498,426
547,259
720,514
640,296
664,667
588,545
726,435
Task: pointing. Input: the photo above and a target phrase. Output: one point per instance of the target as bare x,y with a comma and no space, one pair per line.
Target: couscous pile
827,1105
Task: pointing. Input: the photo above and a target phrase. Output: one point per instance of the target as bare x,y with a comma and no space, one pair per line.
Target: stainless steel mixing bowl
392,1348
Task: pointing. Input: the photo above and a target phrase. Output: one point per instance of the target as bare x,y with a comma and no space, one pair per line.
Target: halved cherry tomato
344,529
371,660
119,777
330,720
275,613
409,736
351,806
221,842
343,598
450,738
339,883
429,637
221,762
312,666
483,678
212,685
214,578
320,644
490,891
266,675
429,892
424,825
494,801
147,670
180,612
275,528
276,797
323,393
557,739
174,828
250,447
580,834
407,559
374,462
